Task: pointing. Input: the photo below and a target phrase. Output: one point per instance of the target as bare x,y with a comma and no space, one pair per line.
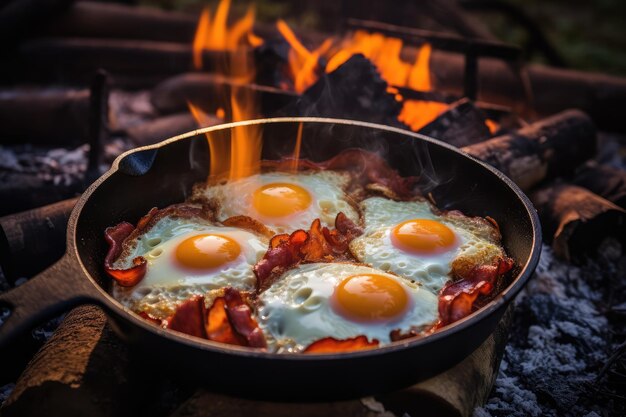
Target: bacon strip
319,244
332,345
229,320
456,299
218,326
115,236
188,318
240,317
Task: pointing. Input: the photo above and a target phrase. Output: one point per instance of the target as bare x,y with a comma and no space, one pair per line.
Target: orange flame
215,34
303,64
239,155
417,114
385,53
296,150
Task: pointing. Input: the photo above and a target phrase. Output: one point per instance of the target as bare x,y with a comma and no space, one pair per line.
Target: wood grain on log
32,240
544,150
461,125
606,181
577,220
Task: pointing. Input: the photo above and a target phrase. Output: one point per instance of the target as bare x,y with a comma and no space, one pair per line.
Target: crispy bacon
457,298
345,231
218,325
397,334
284,251
188,318
332,345
240,317
229,320
319,244
115,237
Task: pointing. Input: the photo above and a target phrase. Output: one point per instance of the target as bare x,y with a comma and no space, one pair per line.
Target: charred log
166,127
576,221
204,90
607,182
544,150
131,63
87,19
461,125
32,240
50,117
354,90
537,90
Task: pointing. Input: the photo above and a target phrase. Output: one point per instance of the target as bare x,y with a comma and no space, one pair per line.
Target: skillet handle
51,292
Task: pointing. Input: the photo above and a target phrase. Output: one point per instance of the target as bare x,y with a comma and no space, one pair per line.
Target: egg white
325,187
477,242
166,284
295,311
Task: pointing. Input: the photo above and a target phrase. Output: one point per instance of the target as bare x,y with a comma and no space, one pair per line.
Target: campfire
97,79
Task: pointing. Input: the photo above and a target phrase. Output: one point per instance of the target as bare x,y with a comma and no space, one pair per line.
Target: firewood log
607,182
576,221
166,127
544,150
461,125
538,90
32,240
61,115
204,90
84,369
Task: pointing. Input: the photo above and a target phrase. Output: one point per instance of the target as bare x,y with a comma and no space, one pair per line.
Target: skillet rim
502,298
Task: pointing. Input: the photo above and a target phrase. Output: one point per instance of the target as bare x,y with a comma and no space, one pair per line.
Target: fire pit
97,79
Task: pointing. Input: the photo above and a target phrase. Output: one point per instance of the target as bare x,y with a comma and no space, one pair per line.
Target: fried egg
411,239
341,300
281,201
187,257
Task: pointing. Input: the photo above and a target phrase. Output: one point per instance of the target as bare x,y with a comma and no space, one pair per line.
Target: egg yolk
280,199
422,236
206,251
370,297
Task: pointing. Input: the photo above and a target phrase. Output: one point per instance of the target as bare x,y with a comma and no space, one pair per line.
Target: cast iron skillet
164,173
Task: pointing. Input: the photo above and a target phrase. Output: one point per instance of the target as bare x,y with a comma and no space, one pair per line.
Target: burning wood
207,90
461,125
577,219
544,150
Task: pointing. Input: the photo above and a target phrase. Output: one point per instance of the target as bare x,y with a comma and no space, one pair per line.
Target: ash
566,356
